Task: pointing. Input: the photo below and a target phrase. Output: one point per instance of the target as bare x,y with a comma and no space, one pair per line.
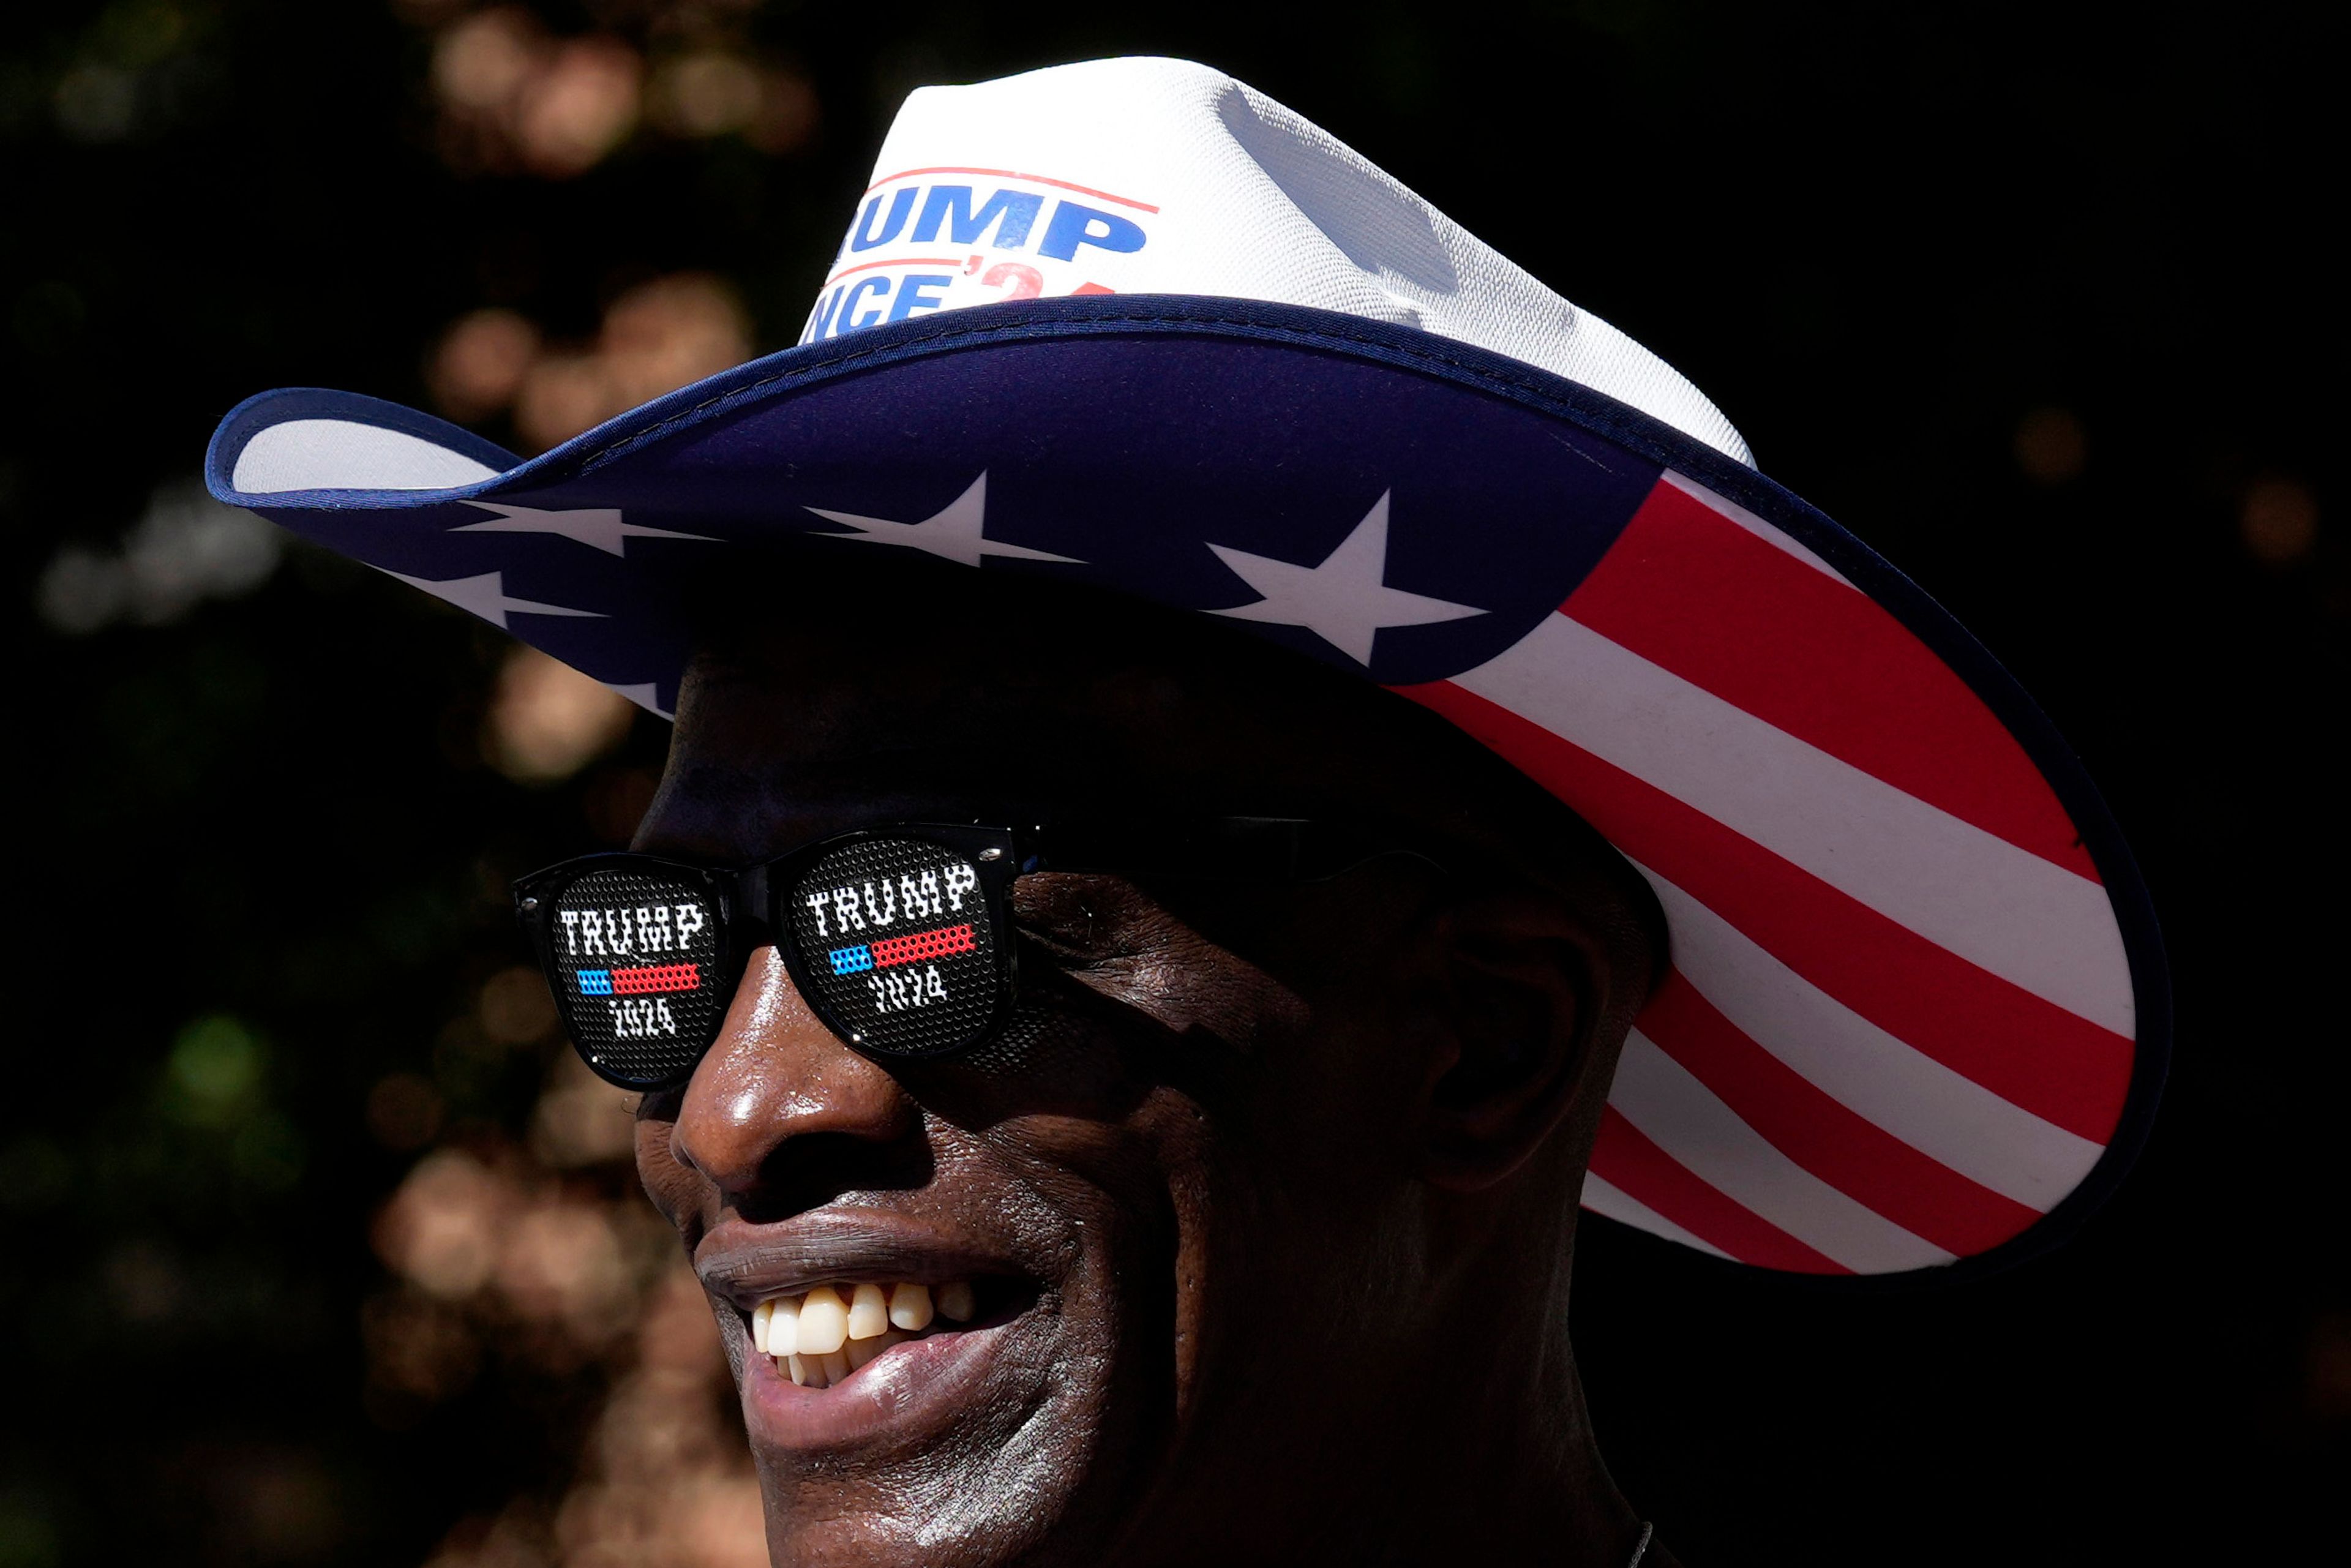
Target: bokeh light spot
27,1538
582,105
403,1111
787,114
441,1229
483,61
97,103
284,1507
2050,445
708,93
145,1282
184,548
514,1006
564,1261
2327,1367
479,364
657,336
419,1349
513,98
547,721
267,1153
34,1173
214,1070
2279,521
580,1120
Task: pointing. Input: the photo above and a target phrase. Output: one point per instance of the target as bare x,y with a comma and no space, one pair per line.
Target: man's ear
1524,985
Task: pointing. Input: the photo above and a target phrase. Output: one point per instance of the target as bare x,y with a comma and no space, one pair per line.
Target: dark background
2031,297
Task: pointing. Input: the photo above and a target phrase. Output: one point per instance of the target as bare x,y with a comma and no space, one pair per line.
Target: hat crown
1162,176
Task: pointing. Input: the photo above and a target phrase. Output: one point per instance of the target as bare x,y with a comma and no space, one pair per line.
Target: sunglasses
898,937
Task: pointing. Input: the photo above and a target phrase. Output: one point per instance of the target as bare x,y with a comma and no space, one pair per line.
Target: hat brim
1919,1014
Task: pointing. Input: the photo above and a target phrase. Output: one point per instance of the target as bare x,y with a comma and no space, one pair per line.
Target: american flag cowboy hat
1132,324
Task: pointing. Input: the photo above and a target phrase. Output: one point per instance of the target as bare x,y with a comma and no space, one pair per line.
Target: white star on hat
1345,601
953,534
600,528
647,695
486,596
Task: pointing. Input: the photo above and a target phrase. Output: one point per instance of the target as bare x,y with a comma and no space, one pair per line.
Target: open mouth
821,1337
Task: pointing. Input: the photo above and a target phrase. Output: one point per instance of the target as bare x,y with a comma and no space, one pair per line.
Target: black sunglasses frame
748,912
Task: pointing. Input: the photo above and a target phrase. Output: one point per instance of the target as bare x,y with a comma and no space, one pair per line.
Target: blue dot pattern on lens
851,960
595,982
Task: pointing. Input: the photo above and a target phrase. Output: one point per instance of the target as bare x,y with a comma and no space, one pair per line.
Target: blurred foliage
320,1248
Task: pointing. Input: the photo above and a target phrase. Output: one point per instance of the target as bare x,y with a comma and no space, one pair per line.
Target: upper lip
748,1263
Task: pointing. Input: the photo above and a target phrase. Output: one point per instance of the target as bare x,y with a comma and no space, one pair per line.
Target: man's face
1176,1183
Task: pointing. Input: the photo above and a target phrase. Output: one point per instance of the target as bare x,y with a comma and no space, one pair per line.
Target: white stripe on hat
1732,512
2004,909
1942,1113
1670,1107
1602,1197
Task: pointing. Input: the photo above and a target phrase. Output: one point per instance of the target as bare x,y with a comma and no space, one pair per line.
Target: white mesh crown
1158,176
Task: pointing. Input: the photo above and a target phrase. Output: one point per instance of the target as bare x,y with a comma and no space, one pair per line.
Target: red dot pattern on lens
656,977
917,945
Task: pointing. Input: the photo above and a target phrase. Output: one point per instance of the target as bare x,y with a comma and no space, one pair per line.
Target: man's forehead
769,755
862,694
931,667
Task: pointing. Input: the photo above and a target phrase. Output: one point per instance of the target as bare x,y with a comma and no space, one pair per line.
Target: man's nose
777,1078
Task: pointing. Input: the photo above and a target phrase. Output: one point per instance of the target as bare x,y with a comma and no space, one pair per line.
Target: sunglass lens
636,970
898,943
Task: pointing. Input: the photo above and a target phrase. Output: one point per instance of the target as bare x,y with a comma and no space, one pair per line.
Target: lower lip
918,1385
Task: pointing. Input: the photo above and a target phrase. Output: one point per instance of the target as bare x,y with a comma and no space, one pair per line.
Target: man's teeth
824,1324
818,1338
910,1307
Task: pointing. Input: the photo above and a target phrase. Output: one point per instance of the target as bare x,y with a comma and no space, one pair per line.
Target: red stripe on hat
1694,592
2032,1053
1625,1157
1836,1144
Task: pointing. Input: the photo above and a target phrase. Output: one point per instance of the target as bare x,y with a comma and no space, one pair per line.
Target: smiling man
1127,1080
1241,1233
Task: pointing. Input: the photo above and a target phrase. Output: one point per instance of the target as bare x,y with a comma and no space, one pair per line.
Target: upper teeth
819,1338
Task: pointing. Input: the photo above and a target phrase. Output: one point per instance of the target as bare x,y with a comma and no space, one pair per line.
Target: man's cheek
1188,985
673,1187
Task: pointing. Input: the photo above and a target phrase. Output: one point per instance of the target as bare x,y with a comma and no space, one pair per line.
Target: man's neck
1489,1449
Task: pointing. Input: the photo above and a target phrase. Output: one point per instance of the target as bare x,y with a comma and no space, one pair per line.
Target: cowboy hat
1129,324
